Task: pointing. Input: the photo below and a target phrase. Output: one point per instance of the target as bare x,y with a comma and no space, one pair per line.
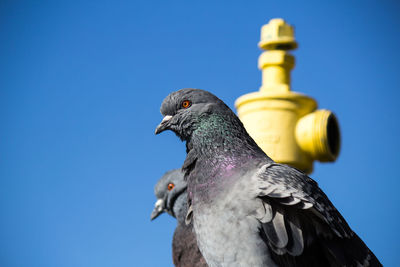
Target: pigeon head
183,110
170,191
208,126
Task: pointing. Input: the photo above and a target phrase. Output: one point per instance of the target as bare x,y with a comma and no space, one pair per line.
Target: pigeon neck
180,208
222,135
218,148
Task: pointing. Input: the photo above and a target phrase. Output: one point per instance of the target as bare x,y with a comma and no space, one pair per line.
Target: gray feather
296,244
276,231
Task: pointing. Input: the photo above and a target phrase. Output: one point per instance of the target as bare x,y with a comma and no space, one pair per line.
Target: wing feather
301,226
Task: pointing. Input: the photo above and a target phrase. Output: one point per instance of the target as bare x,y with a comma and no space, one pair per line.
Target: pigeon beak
158,209
164,124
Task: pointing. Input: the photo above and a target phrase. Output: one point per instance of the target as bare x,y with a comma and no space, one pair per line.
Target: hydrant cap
277,34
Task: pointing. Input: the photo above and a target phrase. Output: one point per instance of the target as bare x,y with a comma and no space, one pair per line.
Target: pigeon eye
170,186
186,103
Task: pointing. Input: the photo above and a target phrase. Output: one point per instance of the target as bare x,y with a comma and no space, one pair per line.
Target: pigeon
172,198
246,209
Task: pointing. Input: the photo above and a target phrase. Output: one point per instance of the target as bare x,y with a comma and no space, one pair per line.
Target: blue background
81,84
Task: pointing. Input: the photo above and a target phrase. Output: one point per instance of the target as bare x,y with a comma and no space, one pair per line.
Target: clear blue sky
80,90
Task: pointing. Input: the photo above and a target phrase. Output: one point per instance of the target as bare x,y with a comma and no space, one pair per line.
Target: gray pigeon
246,209
172,198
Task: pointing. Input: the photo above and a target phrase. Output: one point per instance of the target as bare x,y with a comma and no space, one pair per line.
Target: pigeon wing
301,226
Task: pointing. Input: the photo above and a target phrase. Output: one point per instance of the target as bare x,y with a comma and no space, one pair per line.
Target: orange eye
186,104
170,186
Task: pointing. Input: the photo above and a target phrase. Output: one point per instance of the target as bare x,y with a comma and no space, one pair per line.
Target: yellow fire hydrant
286,124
